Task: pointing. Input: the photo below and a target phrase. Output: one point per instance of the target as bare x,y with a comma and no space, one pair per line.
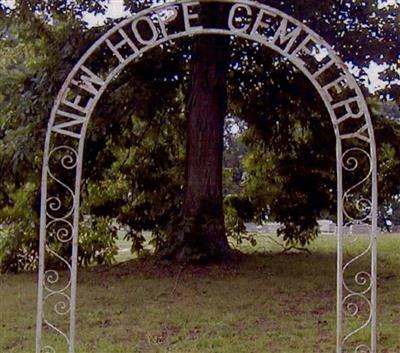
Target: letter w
89,81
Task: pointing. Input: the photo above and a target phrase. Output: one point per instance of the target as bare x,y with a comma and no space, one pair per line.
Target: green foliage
290,169
18,230
34,60
239,210
280,165
97,241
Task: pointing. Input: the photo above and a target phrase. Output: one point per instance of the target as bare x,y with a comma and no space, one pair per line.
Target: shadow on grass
263,302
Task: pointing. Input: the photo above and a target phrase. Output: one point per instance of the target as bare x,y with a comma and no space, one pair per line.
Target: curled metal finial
362,349
51,277
69,159
353,308
63,305
62,228
362,204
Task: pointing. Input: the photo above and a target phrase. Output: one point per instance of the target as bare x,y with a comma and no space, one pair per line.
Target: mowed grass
267,302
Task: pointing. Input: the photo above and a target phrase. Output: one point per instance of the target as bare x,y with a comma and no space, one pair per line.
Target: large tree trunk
203,235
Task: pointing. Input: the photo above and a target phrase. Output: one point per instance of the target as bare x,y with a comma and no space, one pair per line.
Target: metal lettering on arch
125,43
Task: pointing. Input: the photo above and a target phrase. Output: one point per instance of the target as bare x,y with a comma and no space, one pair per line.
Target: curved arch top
272,28
155,26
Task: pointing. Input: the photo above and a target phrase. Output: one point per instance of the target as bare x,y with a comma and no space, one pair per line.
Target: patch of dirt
266,325
194,333
166,336
152,268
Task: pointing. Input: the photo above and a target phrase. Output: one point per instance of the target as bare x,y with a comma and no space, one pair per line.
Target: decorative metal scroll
127,42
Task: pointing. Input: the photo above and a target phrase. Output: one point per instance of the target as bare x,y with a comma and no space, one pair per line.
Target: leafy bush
238,210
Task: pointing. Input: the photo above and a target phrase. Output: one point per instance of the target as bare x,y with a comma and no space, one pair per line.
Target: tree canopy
280,163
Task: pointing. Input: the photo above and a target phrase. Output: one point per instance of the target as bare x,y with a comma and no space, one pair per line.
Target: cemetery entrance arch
127,42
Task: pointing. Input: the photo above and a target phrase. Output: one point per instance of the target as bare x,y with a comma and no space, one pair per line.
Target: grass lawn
266,303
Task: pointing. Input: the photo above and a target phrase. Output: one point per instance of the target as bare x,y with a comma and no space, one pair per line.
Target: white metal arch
127,42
